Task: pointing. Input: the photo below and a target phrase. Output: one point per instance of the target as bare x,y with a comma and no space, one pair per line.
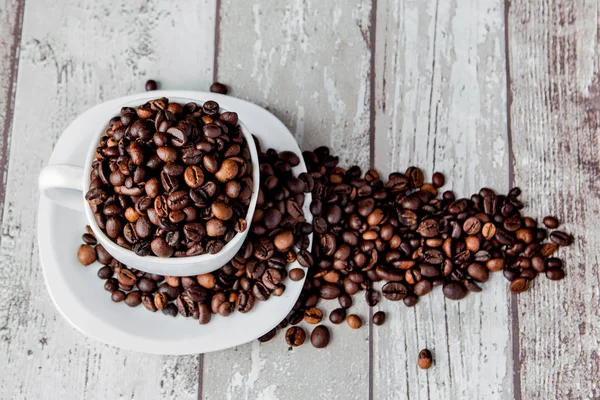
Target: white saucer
79,294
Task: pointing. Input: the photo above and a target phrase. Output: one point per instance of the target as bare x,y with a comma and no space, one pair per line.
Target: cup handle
63,184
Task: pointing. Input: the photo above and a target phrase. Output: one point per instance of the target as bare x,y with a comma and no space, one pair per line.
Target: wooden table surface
490,92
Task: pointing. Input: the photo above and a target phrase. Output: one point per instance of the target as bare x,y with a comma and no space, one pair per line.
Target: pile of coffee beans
401,238
172,179
278,237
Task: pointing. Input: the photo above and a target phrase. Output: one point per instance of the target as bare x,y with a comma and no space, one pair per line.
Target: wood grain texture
11,22
308,63
441,105
555,114
74,55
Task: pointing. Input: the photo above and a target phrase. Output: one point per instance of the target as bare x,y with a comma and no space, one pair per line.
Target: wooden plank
555,114
441,105
74,55
11,23
308,62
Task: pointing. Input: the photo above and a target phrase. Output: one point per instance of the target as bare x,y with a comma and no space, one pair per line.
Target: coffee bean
320,337
105,272
329,291
86,254
218,88
561,238
555,273
296,274
345,301
379,317
478,272
117,296
146,285
454,290
337,316
354,321
438,179
170,310
313,315
151,85
160,300
425,359
394,291
551,222
133,299
268,336
295,336
519,285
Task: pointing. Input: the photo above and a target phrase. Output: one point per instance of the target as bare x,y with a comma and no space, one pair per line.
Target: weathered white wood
441,105
74,55
308,62
555,114
11,19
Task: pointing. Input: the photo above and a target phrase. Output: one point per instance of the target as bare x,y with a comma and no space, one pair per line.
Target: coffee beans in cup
171,179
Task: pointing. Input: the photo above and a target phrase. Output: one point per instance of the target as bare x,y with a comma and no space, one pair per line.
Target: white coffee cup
67,185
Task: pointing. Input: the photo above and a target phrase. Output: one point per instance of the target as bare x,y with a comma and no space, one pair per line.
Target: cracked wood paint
441,105
73,56
555,114
308,62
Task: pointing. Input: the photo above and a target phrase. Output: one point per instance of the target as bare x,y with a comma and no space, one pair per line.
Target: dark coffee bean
133,299
555,273
260,291
320,337
105,272
561,238
268,336
117,296
371,296
218,88
410,301
345,301
147,285
111,285
438,179
422,288
478,272
329,291
394,291
170,310
337,316
454,290
151,85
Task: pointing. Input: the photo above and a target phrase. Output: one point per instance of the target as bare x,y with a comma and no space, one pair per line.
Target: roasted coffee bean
329,291
555,273
268,336
295,336
218,88
170,310
354,321
151,85
337,316
296,274
86,254
313,315
551,222
478,272
117,296
438,179
425,359
519,285
379,318
454,290
133,299
105,272
394,291
320,337
561,238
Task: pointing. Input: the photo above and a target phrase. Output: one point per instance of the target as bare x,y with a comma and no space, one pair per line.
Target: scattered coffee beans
425,359
173,179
